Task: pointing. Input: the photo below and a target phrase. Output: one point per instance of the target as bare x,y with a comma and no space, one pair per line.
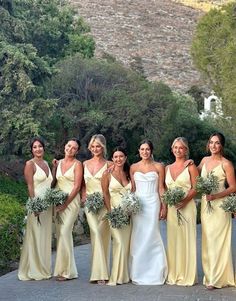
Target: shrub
11,229
16,188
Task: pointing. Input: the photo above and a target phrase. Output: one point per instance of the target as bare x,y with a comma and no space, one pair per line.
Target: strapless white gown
148,264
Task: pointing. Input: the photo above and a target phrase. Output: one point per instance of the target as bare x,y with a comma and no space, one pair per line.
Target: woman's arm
29,171
78,176
161,181
192,192
54,171
131,171
105,181
199,167
83,188
161,185
230,177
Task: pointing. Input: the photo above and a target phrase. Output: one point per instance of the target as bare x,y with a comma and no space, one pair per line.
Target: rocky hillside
153,35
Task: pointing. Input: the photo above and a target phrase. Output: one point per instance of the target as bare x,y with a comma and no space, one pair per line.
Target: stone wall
154,34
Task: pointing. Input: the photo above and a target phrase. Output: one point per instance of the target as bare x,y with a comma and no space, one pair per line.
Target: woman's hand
210,197
60,208
110,168
188,162
55,163
163,212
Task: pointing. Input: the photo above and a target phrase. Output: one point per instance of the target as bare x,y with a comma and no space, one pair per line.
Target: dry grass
204,5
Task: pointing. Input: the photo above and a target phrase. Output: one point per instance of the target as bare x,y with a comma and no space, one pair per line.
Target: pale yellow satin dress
216,239
99,229
35,261
65,261
181,239
120,239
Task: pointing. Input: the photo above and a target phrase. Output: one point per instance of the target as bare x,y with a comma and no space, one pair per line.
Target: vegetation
204,5
34,34
214,53
13,187
11,229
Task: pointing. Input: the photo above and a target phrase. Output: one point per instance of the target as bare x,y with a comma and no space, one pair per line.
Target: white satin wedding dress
148,264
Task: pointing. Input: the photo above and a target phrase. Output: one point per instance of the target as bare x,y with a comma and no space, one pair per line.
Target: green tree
35,34
214,52
103,96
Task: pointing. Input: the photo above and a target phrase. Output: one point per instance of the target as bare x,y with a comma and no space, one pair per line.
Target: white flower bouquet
36,205
117,218
94,202
207,185
229,204
55,197
131,203
172,196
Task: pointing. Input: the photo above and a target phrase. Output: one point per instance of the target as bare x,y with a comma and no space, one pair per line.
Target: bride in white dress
147,253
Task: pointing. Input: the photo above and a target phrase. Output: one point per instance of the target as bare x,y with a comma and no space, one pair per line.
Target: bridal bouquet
131,203
94,202
55,197
36,205
172,196
117,218
229,204
207,185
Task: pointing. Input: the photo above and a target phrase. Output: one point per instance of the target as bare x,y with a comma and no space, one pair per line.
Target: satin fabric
147,253
99,229
181,239
35,261
65,262
120,239
216,239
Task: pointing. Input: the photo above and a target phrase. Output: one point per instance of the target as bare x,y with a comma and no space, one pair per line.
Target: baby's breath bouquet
55,197
131,203
36,205
172,196
94,202
117,218
229,204
207,185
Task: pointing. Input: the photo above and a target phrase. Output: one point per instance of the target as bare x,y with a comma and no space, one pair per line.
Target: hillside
154,36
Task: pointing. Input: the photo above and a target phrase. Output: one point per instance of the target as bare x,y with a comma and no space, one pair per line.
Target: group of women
138,253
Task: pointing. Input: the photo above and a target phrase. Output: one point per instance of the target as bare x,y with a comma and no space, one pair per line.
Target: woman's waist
146,193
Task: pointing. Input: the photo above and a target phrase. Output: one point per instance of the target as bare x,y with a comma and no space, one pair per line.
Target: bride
147,253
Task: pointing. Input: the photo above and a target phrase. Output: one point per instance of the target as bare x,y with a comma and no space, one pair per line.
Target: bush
16,188
11,230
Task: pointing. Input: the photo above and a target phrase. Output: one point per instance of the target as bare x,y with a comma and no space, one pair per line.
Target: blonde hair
184,141
100,139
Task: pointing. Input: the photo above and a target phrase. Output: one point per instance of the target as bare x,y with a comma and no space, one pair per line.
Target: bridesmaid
217,225
181,239
99,228
114,184
35,261
69,174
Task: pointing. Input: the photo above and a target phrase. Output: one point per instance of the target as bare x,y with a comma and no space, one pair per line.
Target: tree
214,52
35,34
99,96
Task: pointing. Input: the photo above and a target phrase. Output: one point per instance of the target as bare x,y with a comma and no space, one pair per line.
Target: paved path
80,289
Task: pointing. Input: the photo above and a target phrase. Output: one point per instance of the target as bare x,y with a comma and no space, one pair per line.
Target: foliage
11,225
101,96
94,202
214,52
229,204
16,188
34,35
